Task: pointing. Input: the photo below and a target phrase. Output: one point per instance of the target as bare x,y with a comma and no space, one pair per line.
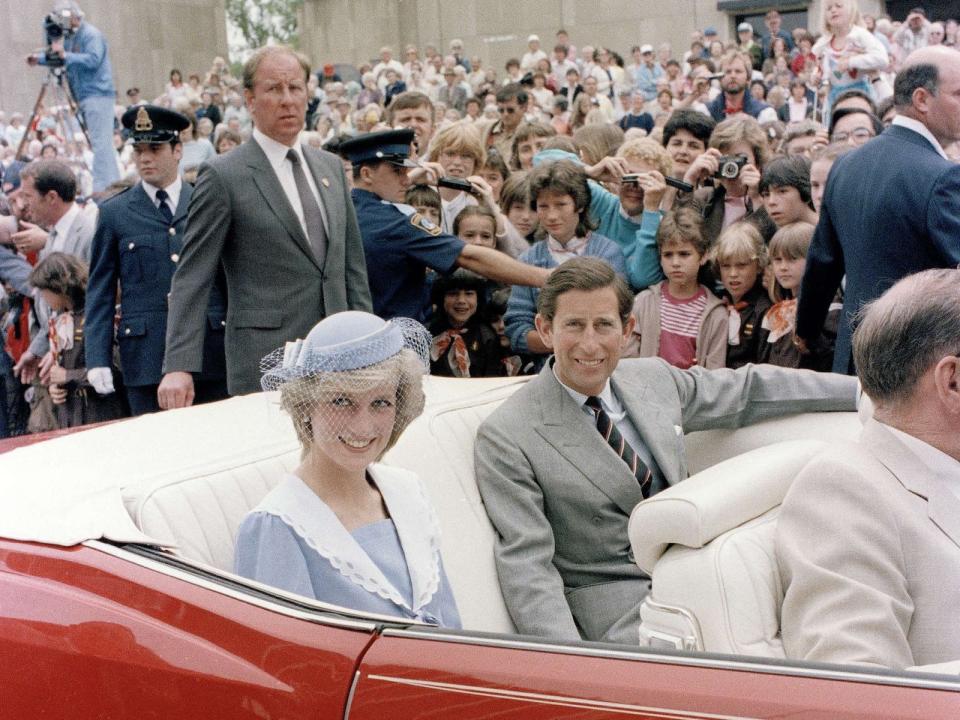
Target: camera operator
82,49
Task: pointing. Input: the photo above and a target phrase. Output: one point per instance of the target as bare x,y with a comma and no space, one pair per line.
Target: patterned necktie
311,208
164,206
615,440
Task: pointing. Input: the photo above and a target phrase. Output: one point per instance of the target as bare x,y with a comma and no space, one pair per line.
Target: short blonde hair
595,142
852,7
741,128
462,138
740,241
300,397
648,151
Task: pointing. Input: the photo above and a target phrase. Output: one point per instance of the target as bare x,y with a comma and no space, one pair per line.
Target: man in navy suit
892,207
137,246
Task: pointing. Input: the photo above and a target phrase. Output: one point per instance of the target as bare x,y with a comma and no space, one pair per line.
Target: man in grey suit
278,216
49,190
868,539
559,493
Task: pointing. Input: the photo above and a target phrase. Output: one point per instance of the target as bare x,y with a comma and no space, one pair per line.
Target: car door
427,673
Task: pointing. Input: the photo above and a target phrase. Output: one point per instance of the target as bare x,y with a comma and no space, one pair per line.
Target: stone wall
145,40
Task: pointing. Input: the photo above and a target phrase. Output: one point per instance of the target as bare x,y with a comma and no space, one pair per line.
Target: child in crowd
459,149
62,281
476,225
740,257
464,344
426,201
562,199
494,171
527,142
515,204
679,319
785,189
788,257
823,160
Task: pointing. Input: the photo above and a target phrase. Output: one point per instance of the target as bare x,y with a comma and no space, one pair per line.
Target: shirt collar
62,225
607,399
276,152
921,129
173,192
941,464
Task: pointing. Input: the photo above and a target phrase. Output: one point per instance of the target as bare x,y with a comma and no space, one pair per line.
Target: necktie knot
163,206
293,157
593,402
162,195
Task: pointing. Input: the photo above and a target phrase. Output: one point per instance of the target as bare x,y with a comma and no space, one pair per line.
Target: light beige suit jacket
868,544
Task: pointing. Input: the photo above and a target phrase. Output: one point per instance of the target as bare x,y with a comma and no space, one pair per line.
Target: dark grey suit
559,498
276,288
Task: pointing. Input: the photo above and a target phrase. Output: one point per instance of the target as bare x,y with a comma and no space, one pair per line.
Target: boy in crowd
785,189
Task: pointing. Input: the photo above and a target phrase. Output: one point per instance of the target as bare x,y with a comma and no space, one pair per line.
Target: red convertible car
117,599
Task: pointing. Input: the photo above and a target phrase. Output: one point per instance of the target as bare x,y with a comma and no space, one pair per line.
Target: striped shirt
679,324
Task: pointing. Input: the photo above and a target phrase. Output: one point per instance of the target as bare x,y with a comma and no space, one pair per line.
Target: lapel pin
325,182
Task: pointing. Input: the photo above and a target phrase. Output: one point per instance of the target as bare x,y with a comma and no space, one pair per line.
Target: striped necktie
608,429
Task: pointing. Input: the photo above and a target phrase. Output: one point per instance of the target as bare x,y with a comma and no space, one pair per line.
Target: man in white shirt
386,63
868,538
533,55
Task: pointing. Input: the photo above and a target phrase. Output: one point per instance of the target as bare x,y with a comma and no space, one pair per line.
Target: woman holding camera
727,176
343,528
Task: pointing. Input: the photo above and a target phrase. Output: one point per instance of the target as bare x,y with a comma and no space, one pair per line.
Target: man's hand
175,391
58,394
33,60
31,238
26,367
56,47
102,380
57,376
46,363
609,169
705,166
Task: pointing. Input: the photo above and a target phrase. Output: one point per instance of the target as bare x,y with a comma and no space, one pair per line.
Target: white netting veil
353,384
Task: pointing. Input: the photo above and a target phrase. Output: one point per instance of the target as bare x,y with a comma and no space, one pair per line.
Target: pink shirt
679,324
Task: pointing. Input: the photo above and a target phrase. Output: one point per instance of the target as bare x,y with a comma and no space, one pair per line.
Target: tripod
66,113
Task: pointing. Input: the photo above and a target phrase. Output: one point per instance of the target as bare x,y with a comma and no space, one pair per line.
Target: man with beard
735,99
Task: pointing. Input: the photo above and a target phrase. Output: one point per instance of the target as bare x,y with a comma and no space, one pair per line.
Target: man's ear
946,379
628,327
544,329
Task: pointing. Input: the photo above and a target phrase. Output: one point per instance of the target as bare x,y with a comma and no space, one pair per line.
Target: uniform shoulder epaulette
424,223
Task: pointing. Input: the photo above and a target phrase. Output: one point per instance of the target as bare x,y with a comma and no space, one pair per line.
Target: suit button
223,323
175,257
126,331
131,246
173,231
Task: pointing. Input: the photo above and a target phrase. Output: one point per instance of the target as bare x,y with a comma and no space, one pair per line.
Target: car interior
707,542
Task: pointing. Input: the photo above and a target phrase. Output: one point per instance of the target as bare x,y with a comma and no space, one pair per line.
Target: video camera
55,26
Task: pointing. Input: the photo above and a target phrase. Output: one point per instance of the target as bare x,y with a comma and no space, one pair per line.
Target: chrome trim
639,655
561,700
690,644
165,569
350,694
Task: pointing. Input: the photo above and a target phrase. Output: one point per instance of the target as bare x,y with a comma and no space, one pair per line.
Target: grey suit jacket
77,243
276,288
559,498
868,544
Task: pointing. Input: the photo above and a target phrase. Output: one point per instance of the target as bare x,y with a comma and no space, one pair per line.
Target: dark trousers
143,398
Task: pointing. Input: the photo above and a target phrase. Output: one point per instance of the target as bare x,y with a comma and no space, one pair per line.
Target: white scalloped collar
313,520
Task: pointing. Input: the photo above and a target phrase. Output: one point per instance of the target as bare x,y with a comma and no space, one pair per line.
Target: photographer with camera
81,49
738,149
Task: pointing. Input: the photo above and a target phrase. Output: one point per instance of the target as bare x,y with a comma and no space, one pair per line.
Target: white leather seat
708,545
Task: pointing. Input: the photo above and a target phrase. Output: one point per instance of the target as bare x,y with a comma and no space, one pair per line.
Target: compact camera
456,184
730,166
634,179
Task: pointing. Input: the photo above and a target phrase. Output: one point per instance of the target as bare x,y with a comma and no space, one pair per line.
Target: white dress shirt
173,194
943,466
612,406
921,129
277,156
58,233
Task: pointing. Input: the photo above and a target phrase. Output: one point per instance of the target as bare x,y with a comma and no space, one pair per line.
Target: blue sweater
637,240
522,306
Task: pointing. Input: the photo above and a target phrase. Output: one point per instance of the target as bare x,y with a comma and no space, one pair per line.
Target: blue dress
293,541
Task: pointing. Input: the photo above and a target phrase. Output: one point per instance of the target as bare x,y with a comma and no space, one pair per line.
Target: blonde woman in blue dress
343,528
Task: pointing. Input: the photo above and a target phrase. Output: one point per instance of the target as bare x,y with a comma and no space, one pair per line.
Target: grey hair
913,77
905,332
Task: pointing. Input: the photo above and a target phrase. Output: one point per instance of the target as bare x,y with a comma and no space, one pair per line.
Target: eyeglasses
860,135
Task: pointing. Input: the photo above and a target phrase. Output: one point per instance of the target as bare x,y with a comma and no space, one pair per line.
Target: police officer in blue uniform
135,251
400,243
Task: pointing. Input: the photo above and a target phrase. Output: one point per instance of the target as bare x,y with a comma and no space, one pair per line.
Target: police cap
392,146
153,124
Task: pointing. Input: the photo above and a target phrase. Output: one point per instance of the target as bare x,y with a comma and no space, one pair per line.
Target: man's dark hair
793,171
52,175
408,101
855,93
694,122
913,77
513,91
564,177
584,274
843,112
560,48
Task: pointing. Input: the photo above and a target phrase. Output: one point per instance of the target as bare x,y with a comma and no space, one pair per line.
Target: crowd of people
738,202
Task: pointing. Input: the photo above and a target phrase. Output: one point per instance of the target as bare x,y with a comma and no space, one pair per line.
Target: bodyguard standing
135,250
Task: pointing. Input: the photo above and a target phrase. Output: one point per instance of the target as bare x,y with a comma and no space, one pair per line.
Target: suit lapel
569,431
186,192
943,506
269,186
657,433
320,174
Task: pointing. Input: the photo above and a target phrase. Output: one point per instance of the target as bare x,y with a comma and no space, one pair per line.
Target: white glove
102,380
